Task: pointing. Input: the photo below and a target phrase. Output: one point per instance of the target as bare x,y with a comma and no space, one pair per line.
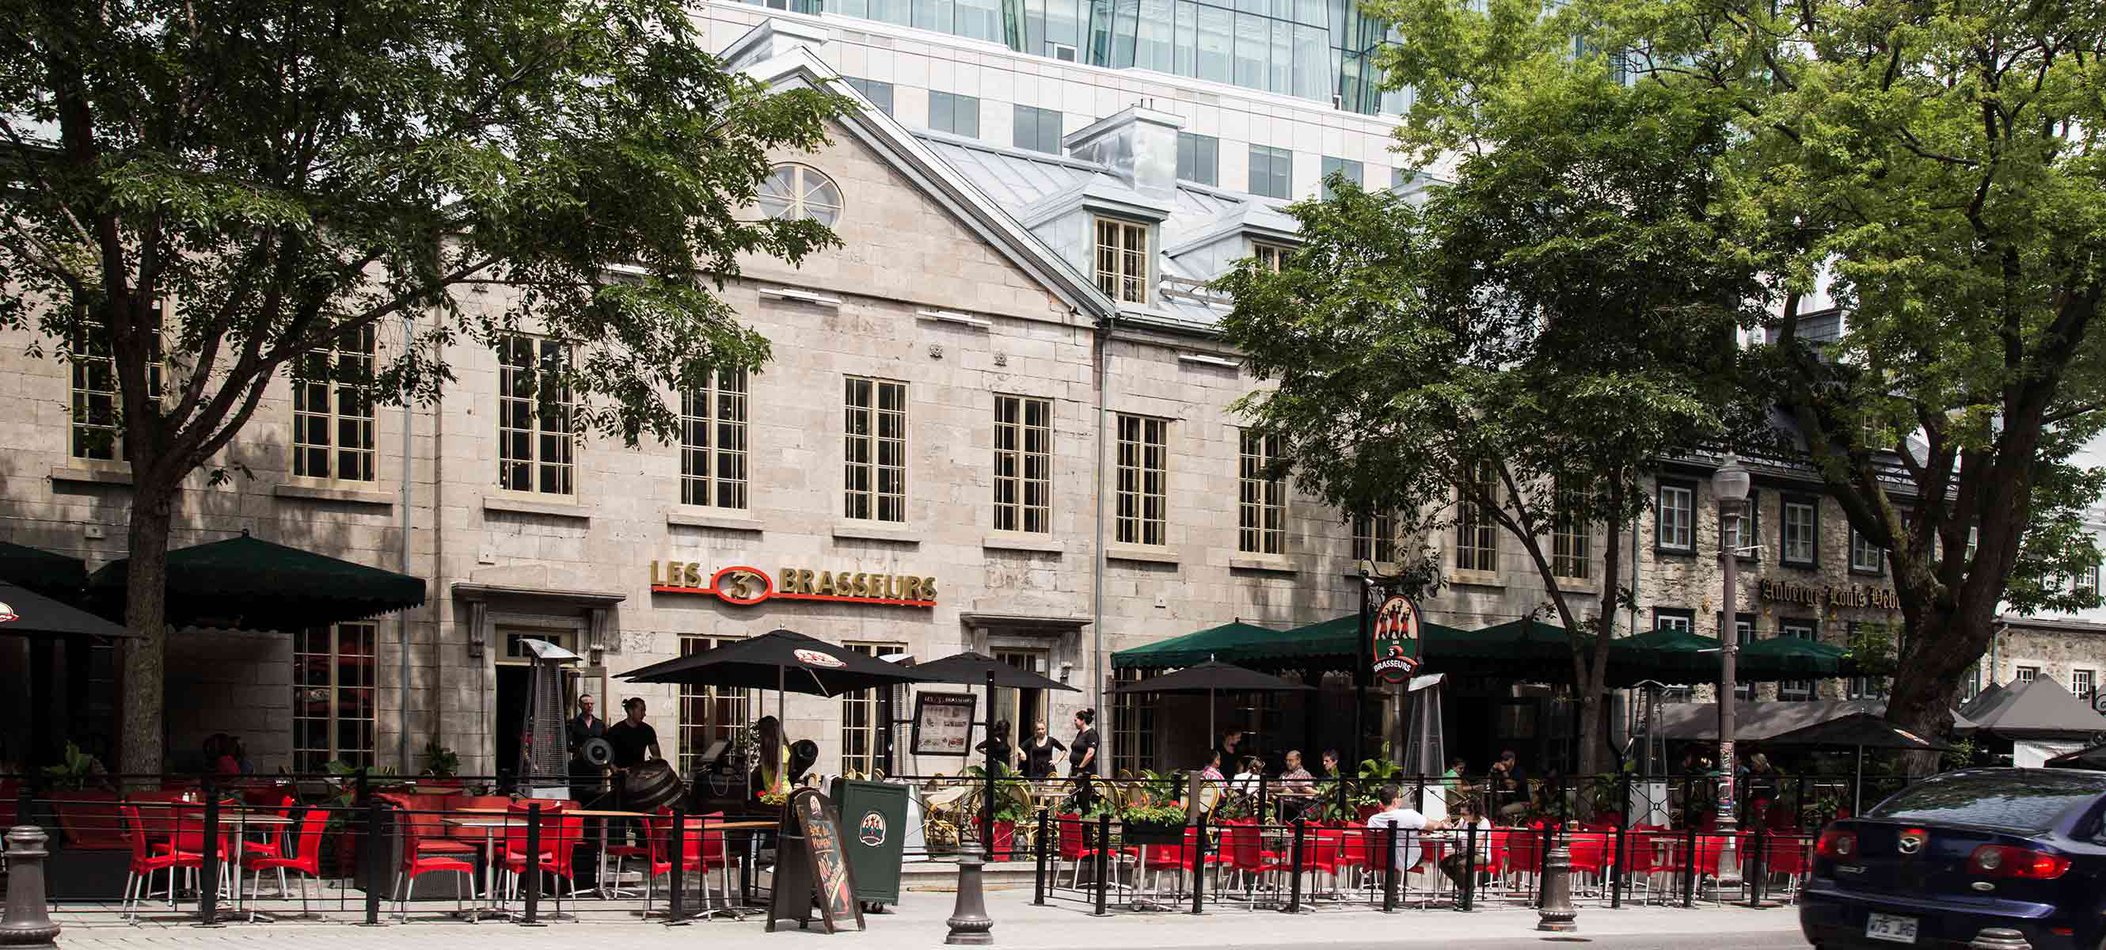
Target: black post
987,808
533,865
1389,869
1755,862
1294,900
675,879
1550,836
1616,881
208,873
1199,865
1038,896
1689,868
1103,858
1466,899
884,749
1363,670
376,865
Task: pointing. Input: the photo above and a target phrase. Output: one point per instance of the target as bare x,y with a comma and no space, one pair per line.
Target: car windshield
2014,800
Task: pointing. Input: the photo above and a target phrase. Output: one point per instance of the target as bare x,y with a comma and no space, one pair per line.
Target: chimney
773,37
1138,144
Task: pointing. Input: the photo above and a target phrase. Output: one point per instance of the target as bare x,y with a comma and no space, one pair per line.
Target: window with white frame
1261,509
98,402
1971,682
1272,257
1143,476
1741,532
535,445
1476,532
332,715
1802,630
1375,538
333,410
794,192
1571,536
875,449
861,726
1799,543
2025,674
1866,557
1023,469
1678,619
713,441
1675,518
1133,728
1122,260
1743,634
2082,683
709,713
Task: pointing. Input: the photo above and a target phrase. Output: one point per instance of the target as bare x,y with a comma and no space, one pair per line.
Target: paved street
919,923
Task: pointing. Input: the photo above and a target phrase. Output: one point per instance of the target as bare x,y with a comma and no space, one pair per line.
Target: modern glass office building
1322,50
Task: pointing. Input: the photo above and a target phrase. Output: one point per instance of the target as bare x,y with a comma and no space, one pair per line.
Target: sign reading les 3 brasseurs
746,586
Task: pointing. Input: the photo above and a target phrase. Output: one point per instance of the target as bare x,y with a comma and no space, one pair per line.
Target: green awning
1249,645
251,584
1783,657
53,575
1668,656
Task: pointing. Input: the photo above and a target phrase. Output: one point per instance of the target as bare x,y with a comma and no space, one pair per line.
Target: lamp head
1731,480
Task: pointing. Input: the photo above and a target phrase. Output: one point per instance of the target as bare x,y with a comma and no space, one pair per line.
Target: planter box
1152,832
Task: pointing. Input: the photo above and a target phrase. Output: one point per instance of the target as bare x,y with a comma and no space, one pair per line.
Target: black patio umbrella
53,575
25,612
1212,677
782,660
1858,731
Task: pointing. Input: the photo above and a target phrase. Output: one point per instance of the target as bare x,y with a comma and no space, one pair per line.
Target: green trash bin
873,829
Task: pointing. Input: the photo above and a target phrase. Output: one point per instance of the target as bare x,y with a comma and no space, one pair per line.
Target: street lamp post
1730,483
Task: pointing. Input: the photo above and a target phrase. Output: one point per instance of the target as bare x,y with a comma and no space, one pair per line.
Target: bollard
676,885
1622,858
209,869
1038,896
1550,833
969,921
1689,872
1104,846
1467,894
1296,867
1389,869
1999,938
1199,866
1756,872
25,923
376,863
1557,914
533,867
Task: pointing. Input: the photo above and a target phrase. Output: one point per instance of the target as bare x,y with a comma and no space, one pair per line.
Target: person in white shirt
1249,777
1408,823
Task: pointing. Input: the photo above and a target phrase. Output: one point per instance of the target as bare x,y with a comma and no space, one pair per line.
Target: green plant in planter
440,761
76,770
1373,774
1153,801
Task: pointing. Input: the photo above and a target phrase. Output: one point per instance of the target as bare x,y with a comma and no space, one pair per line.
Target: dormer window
1122,260
1272,257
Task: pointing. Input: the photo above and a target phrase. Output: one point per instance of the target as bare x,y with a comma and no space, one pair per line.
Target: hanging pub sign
943,723
746,586
1395,631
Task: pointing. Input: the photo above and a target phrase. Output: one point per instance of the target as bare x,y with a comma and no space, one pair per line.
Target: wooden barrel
651,785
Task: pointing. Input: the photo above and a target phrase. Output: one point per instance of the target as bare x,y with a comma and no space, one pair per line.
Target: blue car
1952,855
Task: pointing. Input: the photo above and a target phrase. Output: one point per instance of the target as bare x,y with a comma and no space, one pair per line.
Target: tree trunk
1594,672
146,613
1937,647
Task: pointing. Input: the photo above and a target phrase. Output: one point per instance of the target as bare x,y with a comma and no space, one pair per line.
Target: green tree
1931,171
208,191
1521,346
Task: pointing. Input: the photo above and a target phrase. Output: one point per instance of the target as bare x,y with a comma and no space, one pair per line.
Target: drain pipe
1097,561
402,625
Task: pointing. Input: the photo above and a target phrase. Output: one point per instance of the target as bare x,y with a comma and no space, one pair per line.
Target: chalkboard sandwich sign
811,867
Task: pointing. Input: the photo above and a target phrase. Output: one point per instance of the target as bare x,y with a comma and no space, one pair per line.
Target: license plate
1890,927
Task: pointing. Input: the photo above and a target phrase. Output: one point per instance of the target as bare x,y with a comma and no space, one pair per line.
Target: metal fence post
533,865
1689,859
1468,891
1104,847
676,876
1755,864
376,866
209,871
1199,865
1298,865
1550,831
1621,858
1038,843
1389,869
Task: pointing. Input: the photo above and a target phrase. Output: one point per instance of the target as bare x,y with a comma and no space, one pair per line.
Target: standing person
1229,741
586,778
1038,752
634,743
1082,758
1004,753
1408,823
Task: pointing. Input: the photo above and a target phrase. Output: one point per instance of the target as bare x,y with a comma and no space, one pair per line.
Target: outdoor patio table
490,827
242,819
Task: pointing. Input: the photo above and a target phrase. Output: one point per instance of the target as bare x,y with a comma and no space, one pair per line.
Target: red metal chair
1243,851
1790,856
417,862
1182,859
1078,854
304,857
146,861
561,834
703,848
1590,855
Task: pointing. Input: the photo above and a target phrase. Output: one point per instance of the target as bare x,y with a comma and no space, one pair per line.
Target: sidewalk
919,923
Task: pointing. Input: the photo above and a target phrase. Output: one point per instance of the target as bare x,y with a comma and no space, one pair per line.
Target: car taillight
2002,860
1837,844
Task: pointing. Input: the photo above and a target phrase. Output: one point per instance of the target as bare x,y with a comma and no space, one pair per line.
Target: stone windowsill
83,475
1034,542
1475,579
1265,563
720,519
316,492
876,531
527,506
1140,553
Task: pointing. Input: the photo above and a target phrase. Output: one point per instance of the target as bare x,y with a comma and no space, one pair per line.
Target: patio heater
543,758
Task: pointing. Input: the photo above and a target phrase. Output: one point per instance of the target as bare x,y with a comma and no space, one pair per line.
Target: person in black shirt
635,743
1038,752
585,777
1082,758
998,746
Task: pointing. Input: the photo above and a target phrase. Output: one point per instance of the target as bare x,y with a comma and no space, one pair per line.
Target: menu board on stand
811,869
943,723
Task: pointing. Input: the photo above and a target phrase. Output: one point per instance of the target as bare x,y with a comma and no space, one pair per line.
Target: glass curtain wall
1312,49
